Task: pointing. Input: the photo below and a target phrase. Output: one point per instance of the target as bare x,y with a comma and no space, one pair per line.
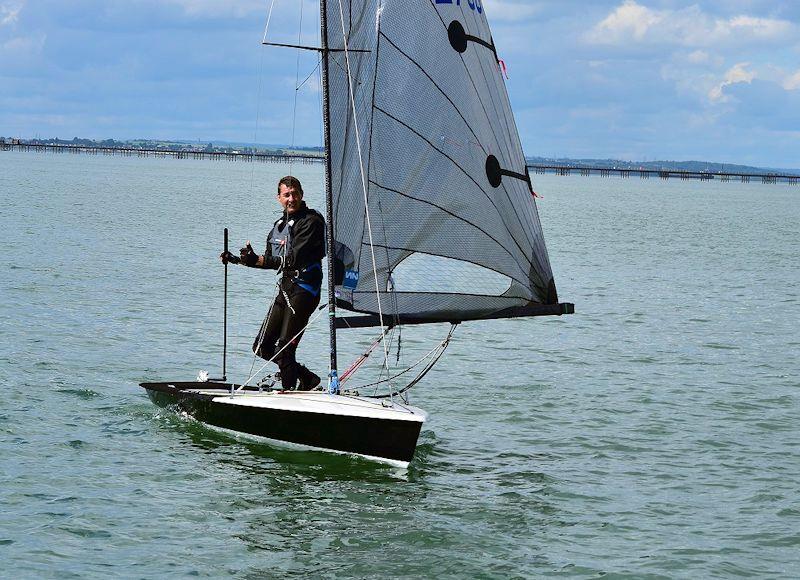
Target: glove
227,257
247,256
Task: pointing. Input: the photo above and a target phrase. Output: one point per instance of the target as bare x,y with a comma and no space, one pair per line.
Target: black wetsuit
299,262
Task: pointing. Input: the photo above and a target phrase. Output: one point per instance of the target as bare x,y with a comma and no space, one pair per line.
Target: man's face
289,198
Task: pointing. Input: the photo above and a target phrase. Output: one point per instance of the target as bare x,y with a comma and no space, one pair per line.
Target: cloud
699,57
737,74
628,20
9,12
690,27
792,83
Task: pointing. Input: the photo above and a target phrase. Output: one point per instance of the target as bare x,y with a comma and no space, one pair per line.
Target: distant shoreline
687,170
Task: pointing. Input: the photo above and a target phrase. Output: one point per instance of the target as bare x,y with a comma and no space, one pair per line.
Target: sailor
295,248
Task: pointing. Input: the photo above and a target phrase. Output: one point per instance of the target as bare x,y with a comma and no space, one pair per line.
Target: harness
308,278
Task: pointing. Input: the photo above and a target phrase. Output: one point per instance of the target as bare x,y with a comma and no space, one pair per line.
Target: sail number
474,4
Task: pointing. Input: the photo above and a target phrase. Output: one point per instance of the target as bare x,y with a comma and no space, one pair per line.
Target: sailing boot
306,380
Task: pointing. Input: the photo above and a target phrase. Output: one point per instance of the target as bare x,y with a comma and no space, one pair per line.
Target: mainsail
420,117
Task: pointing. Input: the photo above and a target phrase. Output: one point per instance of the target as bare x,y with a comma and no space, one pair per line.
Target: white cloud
689,27
792,83
9,12
737,74
759,27
698,57
628,20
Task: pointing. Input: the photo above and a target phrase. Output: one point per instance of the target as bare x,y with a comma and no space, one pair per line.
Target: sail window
423,272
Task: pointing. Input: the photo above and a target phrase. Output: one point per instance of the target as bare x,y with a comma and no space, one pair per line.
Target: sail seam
524,283
471,130
450,213
510,133
488,118
464,171
508,145
469,76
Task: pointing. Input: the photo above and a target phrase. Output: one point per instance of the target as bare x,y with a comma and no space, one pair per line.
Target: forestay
455,230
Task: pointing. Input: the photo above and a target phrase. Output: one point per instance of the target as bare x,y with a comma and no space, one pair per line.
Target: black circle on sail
457,36
493,171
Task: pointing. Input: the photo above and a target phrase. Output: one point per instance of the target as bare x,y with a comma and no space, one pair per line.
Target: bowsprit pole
225,315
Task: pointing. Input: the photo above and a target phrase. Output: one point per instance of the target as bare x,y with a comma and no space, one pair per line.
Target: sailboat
430,211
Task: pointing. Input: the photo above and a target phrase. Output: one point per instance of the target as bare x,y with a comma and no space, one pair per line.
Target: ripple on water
641,438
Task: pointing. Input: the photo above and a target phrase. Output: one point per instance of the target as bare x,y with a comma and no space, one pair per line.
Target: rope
269,17
263,330
363,183
434,354
310,322
360,360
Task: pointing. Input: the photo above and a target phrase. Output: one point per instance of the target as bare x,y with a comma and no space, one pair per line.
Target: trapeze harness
309,278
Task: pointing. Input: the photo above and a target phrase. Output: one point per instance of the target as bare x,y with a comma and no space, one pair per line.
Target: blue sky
635,79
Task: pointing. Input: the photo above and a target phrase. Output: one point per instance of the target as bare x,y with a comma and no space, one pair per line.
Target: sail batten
444,168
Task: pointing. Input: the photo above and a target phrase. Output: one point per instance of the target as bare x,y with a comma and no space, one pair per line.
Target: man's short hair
291,182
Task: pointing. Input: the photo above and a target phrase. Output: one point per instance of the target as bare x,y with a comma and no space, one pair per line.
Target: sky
712,80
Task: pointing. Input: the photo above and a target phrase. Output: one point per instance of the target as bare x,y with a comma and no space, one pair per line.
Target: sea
655,433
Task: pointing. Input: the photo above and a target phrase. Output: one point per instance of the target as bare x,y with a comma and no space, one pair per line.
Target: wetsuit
295,247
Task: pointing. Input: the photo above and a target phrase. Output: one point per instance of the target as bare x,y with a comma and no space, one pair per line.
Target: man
295,248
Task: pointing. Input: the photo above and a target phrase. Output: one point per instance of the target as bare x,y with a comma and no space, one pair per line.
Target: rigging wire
363,181
296,84
320,309
434,355
255,129
258,96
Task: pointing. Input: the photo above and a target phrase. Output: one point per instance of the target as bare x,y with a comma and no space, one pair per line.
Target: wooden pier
174,153
665,174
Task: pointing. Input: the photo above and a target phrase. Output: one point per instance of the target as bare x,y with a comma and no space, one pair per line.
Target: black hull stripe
381,438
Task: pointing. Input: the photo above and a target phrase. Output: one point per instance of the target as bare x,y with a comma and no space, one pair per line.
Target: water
653,434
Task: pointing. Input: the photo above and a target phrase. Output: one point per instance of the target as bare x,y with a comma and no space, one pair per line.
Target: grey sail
419,104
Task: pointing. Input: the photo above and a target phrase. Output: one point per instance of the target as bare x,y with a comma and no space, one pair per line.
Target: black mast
333,381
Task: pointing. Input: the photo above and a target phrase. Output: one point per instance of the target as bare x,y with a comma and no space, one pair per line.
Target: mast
333,380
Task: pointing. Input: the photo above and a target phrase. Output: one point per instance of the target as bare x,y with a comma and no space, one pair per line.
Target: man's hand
227,257
247,256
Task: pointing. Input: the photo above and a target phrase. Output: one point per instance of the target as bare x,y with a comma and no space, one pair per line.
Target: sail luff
333,381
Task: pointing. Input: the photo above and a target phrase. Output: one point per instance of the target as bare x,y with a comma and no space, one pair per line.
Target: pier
173,153
665,174
309,158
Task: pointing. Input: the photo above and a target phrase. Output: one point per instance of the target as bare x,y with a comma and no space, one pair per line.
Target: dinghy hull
315,420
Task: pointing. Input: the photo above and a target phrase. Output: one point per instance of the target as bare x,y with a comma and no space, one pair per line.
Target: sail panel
442,160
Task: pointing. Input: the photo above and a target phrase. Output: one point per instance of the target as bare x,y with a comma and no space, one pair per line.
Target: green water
653,434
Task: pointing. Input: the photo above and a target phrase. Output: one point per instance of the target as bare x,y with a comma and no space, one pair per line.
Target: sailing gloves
228,258
248,257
